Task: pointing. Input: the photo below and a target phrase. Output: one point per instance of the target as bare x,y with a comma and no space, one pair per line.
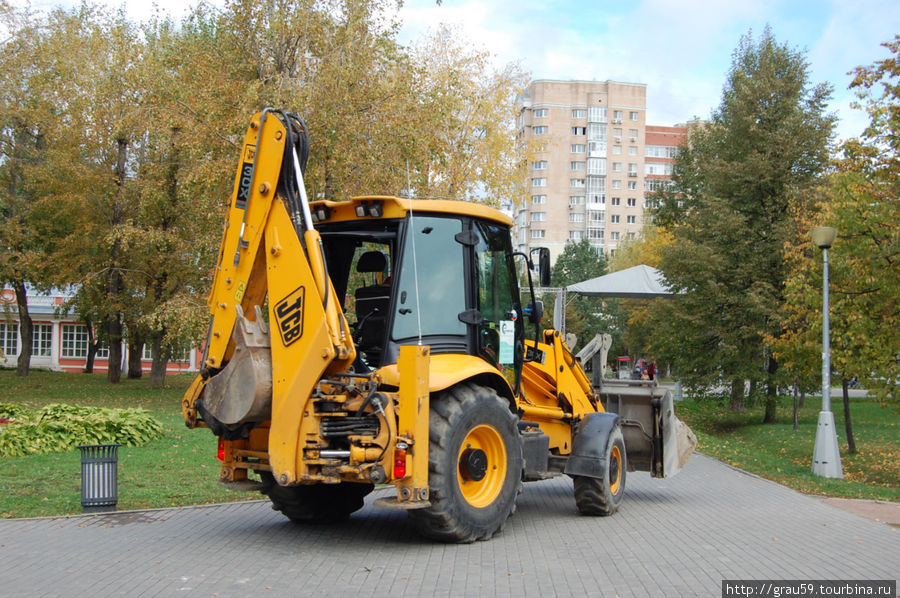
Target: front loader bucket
655,439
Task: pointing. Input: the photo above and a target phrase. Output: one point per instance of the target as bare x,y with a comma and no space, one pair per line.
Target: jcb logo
289,317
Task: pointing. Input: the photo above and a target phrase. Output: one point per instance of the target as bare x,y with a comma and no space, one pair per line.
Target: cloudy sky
681,49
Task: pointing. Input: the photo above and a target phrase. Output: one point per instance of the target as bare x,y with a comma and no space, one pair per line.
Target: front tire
602,496
319,503
474,465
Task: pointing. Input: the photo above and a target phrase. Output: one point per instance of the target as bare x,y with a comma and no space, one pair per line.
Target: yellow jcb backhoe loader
382,340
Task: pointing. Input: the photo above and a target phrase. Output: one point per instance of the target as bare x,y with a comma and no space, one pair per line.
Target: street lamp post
826,454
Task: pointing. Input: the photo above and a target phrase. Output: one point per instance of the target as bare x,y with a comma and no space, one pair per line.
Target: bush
59,428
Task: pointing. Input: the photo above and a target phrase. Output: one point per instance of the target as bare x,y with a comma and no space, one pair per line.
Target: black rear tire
475,465
319,503
602,496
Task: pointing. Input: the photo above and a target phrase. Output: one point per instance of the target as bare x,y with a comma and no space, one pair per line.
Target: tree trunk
848,425
26,329
737,395
135,354
91,348
114,334
160,361
796,405
115,282
802,399
771,392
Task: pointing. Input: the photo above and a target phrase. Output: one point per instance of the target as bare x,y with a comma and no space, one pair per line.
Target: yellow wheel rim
480,482
615,470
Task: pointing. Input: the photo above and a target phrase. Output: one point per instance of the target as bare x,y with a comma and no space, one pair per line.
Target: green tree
23,117
730,215
859,199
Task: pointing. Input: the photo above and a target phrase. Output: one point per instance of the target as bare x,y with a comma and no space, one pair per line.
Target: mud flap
588,458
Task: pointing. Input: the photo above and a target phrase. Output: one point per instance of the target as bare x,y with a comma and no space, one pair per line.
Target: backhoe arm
269,250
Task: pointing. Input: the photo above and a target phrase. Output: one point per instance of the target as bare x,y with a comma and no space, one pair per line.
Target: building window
617,184
579,130
577,165
632,169
660,151
576,235
663,168
576,200
539,165
9,338
658,185
538,216
538,199
579,113
576,183
578,148
597,166
632,135
541,130
41,340
74,341
632,185
617,135
632,202
617,150
597,148
541,113
616,201
617,167
631,235
595,235
614,235
614,219
576,217
537,233
617,116
538,182
598,198
632,115
632,150
630,219
597,114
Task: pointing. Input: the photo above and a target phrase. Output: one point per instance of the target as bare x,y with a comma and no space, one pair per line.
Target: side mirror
535,312
543,263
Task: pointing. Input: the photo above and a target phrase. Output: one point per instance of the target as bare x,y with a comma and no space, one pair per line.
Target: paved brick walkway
676,537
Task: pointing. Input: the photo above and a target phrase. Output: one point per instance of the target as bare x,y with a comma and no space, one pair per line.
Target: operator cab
447,281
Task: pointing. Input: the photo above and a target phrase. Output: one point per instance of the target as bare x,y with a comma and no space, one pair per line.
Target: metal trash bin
99,478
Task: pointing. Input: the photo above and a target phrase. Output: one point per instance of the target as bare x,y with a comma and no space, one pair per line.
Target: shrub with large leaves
58,428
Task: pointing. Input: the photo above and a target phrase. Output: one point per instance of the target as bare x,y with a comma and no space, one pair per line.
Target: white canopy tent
637,282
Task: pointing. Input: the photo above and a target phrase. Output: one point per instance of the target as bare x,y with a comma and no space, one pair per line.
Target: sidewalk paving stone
678,537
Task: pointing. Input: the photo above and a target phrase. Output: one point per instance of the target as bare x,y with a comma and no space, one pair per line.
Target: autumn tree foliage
138,127
730,214
859,199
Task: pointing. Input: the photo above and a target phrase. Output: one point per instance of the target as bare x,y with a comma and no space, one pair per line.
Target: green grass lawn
178,469
777,452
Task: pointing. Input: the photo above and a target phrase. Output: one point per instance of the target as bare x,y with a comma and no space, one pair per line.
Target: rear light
400,460
220,453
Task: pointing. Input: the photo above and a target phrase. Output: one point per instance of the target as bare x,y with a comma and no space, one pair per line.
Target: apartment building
661,144
591,163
